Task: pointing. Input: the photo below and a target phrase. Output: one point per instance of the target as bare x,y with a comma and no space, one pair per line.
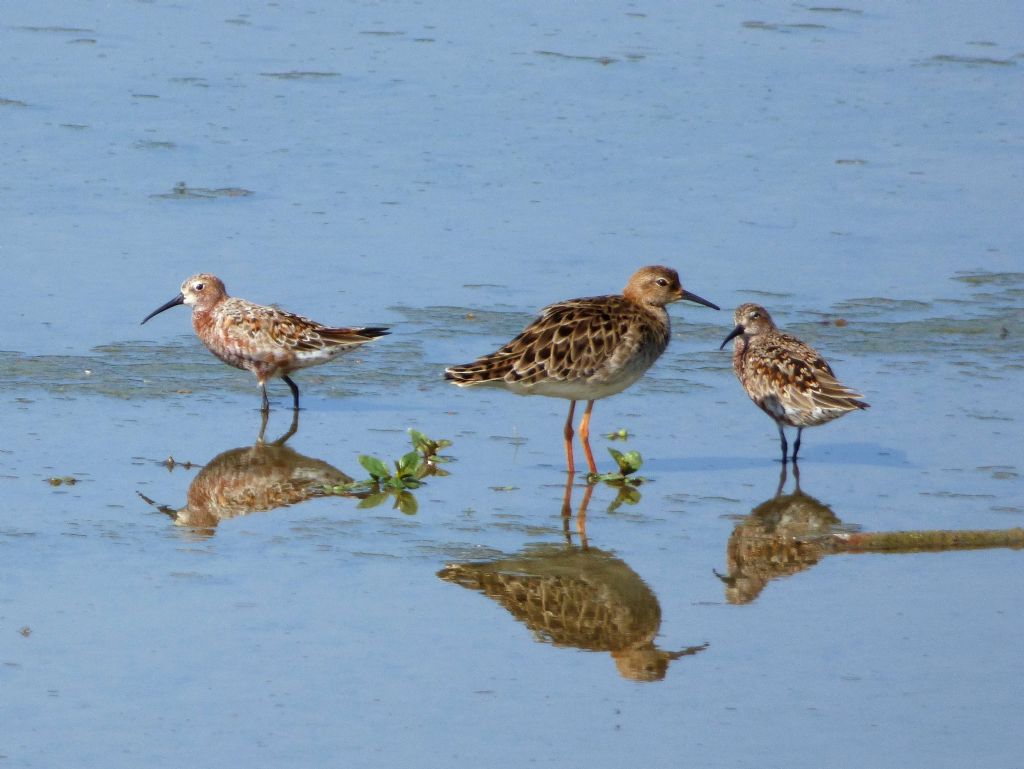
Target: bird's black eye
755,315
199,286
661,282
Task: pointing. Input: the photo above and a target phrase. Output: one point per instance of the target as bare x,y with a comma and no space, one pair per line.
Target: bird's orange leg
568,438
585,437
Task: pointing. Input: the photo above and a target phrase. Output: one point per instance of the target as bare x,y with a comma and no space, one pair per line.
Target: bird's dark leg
295,390
796,446
782,480
585,437
568,433
782,438
266,401
291,430
263,426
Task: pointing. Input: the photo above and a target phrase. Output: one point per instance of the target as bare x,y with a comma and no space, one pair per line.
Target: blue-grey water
446,169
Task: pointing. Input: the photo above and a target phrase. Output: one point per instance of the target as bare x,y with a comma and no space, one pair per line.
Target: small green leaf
406,502
376,468
373,500
428,447
628,462
408,464
627,495
419,441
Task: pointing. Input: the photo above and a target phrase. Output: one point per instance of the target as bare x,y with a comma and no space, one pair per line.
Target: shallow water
447,170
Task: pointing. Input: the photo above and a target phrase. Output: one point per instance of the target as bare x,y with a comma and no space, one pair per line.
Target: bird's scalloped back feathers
780,369
244,323
569,341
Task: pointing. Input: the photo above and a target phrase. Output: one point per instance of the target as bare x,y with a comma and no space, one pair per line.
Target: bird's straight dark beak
179,299
732,335
699,300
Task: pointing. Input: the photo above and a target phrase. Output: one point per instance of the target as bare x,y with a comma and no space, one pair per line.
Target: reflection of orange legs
585,437
568,439
581,514
567,503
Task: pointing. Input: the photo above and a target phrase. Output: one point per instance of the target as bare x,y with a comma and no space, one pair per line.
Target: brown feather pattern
581,339
785,377
268,341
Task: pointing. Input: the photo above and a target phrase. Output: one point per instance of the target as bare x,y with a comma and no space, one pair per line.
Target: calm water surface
176,595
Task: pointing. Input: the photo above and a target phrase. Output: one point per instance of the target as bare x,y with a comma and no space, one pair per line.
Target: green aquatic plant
624,480
407,474
64,480
628,462
428,447
628,495
622,434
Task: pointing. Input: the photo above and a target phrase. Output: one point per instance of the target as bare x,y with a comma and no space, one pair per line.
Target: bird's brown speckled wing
781,365
570,340
244,323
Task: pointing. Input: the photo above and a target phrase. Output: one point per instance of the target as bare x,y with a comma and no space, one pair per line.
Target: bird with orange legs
585,349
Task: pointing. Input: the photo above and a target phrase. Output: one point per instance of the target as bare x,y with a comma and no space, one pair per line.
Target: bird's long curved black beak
699,300
732,335
179,299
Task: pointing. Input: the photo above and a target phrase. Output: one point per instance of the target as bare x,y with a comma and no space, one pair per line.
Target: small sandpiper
267,341
585,349
787,379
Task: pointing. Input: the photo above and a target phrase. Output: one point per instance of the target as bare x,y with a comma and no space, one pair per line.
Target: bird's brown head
657,286
200,292
203,291
751,320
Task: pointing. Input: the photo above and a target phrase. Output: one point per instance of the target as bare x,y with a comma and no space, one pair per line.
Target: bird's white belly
591,389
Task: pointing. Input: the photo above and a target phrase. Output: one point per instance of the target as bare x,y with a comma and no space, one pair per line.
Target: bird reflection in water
790,533
782,536
252,479
577,596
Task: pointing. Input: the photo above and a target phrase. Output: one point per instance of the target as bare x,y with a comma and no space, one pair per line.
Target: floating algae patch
946,336
141,370
129,370
63,30
987,322
182,191
972,61
605,60
876,306
300,75
781,27
457,322
983,278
